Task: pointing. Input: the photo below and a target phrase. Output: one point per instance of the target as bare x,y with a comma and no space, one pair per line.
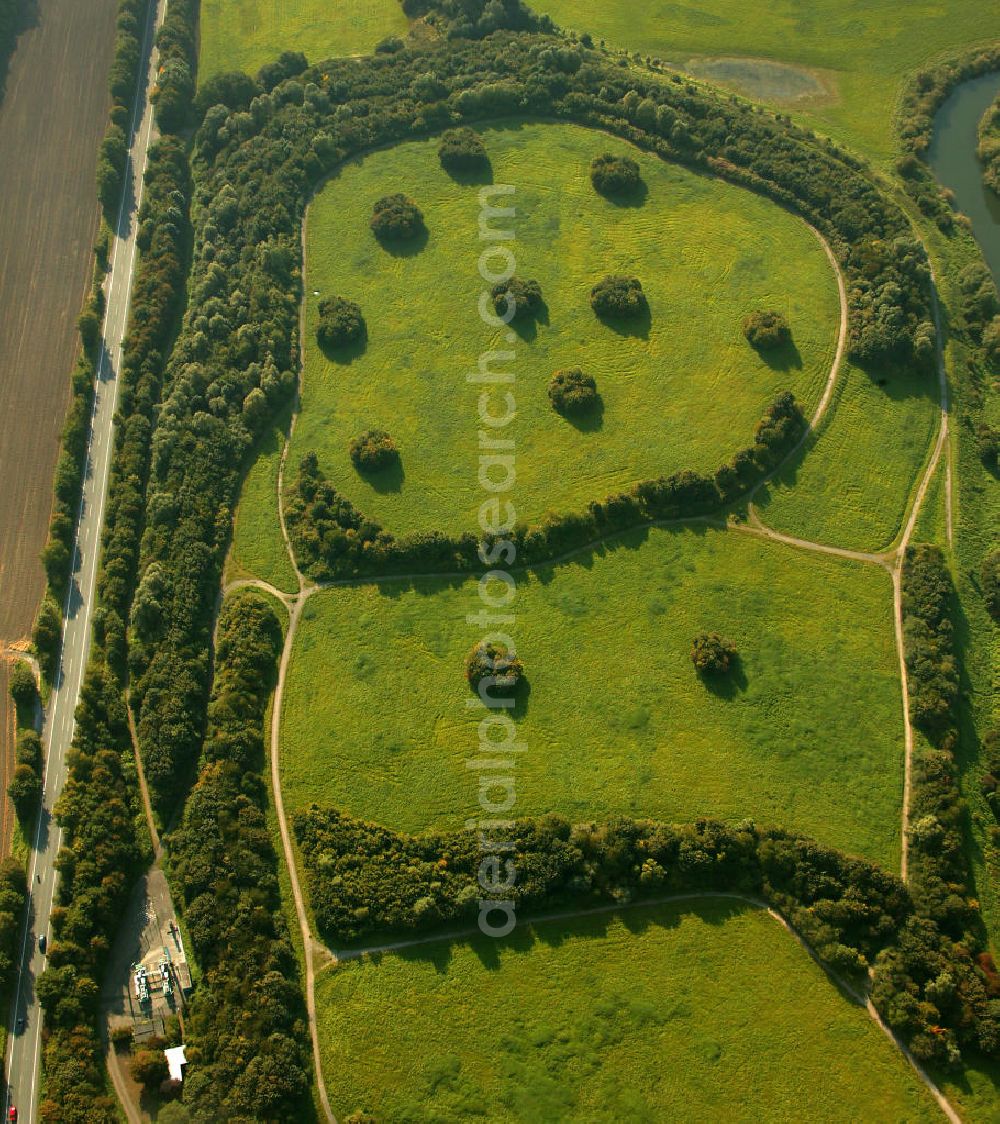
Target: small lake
953,158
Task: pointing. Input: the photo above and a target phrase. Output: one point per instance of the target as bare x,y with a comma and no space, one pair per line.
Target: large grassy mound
683,391
245,34
807,733
703,1011
863,49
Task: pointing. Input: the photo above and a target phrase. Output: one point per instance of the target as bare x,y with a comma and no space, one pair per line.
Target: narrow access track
24,1044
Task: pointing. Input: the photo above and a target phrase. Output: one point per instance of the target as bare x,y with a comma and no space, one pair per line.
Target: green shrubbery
524,296
396,218
615,175
619,298
573,392
491,668
766,330
712,654
372,450
340,323
462,152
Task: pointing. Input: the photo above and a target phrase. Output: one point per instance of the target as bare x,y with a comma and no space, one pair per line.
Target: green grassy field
689,1012
685,397
808,735
258,550
245,34
853,486
863,49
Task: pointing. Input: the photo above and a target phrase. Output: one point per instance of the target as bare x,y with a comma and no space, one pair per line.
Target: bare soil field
52,118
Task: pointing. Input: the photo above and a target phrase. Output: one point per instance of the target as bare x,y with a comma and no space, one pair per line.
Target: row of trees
332,539
176,42
25,787
989,146
248,1053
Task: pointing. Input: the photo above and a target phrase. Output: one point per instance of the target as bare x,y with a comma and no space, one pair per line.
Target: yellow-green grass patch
852,485
245,34
806,734
258,549
688,396
864,49
701,1010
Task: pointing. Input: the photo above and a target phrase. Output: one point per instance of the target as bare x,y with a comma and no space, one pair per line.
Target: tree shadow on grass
347,353
634,198
405,247
729,684
527,326
472,177
385,480
637,326
786,357
590,422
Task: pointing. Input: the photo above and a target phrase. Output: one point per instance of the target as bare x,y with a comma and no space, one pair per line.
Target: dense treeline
332,539
12,17
475,19
99,809
989,146
130,28
846,908
99,856
175,82
247,1039
930,656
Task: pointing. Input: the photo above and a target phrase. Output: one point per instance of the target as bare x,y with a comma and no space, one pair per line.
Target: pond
953,158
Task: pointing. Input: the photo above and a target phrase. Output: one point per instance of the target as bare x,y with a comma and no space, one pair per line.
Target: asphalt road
23,1061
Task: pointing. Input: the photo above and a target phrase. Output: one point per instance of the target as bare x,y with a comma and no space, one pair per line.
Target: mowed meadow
856,53
700,1010
245,34
681,390
807,733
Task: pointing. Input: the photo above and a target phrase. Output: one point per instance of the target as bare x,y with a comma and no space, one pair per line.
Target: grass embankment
863,49
684,391
694,1011
807,733
245,34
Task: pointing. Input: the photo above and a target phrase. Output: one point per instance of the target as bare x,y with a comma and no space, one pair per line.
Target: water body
953,157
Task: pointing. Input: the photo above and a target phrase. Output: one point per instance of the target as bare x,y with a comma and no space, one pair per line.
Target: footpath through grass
245,34
863,49
697,1011
683,391
806,734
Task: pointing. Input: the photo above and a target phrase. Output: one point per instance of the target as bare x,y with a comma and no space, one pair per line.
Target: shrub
25,788
525,295
391,45
149,1068
462,150
396,218
988,444
991,340
491,665
990,575
614,175
620,297
765,330
372,450
340,323
573,392
22,687
712,654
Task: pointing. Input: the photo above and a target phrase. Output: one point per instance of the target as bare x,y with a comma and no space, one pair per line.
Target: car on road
42,943
12,1115
20,1025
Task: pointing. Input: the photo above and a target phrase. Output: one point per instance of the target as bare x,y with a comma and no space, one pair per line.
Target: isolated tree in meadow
462,150
526,295
712,654
618,297
396,218
614,175
340,323
765,330
372,450
487,659
572,392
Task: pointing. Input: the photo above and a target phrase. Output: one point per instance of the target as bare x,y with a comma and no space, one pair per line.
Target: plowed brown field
52,118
